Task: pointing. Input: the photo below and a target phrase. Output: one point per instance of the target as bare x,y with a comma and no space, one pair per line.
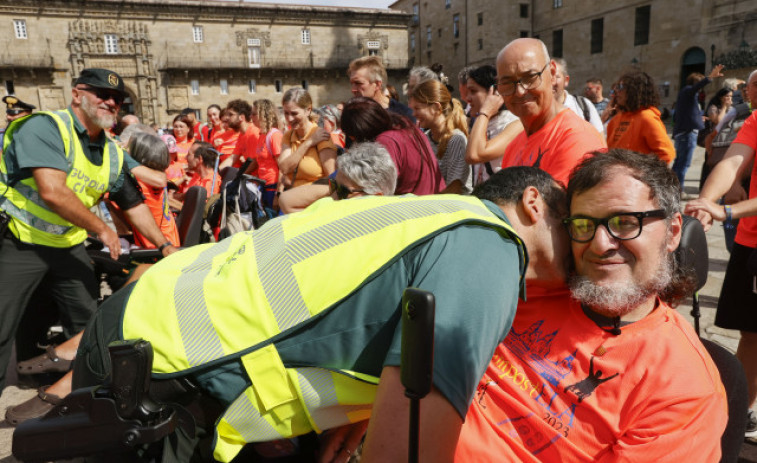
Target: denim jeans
685,143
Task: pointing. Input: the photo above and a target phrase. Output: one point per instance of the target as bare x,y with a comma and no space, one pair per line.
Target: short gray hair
563,65
462,76
423,73
149,150
131,129
369,166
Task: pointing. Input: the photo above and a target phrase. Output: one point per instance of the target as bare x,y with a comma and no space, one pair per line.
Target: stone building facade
666,38
175,54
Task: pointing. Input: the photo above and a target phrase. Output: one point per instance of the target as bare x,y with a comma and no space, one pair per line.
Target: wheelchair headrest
692,251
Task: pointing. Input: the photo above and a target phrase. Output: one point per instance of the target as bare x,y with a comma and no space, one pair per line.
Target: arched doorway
129,105
694,60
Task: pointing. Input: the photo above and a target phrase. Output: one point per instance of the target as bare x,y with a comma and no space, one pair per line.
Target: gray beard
619,299
104,122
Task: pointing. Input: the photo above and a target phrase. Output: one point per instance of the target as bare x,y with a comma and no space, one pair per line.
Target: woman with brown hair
436,110
307,152
184,135
364,120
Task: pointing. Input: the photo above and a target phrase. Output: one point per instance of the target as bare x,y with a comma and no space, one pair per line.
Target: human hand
168,250
338,444
109,239
717,71
492,102
320,135
705,211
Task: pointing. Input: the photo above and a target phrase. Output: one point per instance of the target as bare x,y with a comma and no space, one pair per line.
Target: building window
556,3
557,43
305,84
447,4
19,26
480,19
428,36
597,33
253,53
224,87
111,44
195,86
523,34
305,36
416,14
428,55
412,42
480,44
279,86
456,25
641,31
523,10
439,32
197,35
252,86
10,89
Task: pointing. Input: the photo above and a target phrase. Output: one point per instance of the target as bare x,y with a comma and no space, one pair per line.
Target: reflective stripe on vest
226,301
33,221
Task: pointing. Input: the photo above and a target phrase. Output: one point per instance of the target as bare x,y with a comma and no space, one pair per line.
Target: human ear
676,228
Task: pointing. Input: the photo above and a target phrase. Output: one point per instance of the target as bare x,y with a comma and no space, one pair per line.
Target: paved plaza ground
708,302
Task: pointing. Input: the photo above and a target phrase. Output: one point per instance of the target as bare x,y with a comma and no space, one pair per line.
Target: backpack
239,208
582,103
727,134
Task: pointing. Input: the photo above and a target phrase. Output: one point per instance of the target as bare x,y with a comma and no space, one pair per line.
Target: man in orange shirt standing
605,370
555,138
240,119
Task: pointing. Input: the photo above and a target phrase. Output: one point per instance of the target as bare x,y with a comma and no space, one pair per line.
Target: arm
328,160
151,177
141,218
289,159
482,150
64,202
736,160
387,438
297,199
657,138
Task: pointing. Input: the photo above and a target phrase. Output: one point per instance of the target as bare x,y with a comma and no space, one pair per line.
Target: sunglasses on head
342,192
104,94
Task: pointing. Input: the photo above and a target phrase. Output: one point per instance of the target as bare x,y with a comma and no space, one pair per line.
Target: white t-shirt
594,118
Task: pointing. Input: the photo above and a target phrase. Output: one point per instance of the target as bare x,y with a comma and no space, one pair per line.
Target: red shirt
746,234
224,142
204,182
267,153
157,200
417,167
247,144
557,147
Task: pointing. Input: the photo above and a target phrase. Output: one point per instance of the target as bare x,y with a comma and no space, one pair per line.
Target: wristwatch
164,245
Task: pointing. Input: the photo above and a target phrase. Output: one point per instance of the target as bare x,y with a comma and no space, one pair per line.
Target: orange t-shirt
310,168
224,142
157,200
560,388
746,234
183,147
268,150
557,147
175,172
642,131
204,182
247,144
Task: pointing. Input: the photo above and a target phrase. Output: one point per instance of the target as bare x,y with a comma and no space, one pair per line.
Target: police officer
16,108
57,166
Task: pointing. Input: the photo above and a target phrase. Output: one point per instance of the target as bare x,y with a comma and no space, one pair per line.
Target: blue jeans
685,143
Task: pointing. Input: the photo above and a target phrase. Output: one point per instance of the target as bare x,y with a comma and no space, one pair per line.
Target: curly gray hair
370,167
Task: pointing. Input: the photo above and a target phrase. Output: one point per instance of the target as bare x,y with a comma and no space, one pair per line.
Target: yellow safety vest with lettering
213,303
32,220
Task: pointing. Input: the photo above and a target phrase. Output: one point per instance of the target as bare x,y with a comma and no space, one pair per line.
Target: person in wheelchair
293,327
603,369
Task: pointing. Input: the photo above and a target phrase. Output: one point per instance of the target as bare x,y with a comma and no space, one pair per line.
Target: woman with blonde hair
443,116
265,166
307,152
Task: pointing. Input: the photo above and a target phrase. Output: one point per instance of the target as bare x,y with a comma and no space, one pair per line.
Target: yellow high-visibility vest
32,220
210,304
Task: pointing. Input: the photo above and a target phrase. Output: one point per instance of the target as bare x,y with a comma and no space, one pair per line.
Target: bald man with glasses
554,139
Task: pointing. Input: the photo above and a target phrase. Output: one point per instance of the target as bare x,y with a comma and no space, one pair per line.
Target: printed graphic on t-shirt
551,382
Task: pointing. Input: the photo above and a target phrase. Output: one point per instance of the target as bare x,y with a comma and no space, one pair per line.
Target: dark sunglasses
104,94
15,112
342,192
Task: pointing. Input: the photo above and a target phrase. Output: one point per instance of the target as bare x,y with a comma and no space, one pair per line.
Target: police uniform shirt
39,144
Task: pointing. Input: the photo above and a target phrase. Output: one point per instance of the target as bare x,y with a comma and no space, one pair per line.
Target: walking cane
417,364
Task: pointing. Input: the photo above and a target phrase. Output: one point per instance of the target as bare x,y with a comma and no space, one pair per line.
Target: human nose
520,90
603,241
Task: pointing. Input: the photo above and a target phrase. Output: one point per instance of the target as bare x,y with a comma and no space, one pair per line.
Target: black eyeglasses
623,226
508,87
342,192
104,94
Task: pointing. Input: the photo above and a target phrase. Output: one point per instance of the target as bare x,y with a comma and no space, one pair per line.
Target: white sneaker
751,425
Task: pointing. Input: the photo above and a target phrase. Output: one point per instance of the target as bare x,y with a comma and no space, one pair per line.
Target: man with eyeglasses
554,139
56,167
604,369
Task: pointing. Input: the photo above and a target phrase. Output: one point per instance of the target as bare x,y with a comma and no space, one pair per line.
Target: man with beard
240,120
57,166
605,370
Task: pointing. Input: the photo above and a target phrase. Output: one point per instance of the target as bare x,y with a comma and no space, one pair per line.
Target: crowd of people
481,200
